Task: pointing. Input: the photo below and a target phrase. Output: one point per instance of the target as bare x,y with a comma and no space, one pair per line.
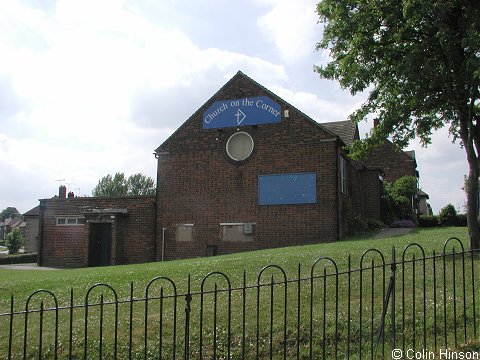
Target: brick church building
246,171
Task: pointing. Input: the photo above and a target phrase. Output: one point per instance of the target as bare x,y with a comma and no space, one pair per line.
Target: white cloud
77,96
292,26
90,88
320,110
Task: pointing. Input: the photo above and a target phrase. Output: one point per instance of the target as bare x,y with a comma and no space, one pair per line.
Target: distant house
7,224
396,163
31,229
246,171
424,207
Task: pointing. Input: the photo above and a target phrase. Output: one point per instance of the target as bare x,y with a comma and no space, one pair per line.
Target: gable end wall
200,185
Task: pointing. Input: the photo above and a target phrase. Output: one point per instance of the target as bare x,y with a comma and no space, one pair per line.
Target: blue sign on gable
241,112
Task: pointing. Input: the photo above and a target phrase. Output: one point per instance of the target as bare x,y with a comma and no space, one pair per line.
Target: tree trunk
471,142
472,205
470,135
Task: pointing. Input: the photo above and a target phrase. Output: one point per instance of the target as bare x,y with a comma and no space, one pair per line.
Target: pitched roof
410,153
347,130
33,212
15,222
423,193
273,95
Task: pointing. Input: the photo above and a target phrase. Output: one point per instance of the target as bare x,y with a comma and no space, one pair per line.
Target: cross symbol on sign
240,116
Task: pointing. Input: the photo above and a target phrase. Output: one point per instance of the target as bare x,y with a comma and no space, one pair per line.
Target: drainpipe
41,216
155,229
156,210
337,167
159,202
163,242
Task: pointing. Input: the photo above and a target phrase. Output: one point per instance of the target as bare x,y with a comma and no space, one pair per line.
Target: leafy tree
140,184
420,62
111,186
448,215
119,185
8,212
397,199
15,241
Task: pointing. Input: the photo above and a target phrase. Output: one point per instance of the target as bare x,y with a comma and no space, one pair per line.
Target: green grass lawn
410,327
21,283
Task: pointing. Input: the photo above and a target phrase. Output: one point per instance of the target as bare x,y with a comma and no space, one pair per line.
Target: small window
344,175
240,146
70,220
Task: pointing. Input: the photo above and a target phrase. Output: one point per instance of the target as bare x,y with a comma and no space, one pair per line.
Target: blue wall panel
299,188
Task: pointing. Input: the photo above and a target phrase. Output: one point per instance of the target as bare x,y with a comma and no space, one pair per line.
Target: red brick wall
371,194
394,163
133,234
31,233
198,183
362,201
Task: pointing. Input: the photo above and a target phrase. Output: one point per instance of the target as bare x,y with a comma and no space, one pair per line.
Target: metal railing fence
409,301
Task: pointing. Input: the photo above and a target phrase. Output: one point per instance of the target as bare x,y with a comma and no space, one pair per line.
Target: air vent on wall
248,228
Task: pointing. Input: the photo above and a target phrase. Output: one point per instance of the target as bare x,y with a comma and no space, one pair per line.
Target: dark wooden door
100,244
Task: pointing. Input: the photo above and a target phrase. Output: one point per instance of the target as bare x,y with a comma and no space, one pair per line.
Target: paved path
29,266
391,232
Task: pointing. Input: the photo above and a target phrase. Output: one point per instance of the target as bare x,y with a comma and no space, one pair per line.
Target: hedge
427,221
18,259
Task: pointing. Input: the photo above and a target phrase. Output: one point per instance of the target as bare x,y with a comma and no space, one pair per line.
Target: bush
447,216
15,241
461,220
360,224
428,221
397,199
402,224
18,259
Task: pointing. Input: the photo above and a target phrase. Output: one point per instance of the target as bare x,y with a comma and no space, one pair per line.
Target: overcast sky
91,87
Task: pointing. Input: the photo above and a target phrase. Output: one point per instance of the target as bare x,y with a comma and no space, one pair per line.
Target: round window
240,146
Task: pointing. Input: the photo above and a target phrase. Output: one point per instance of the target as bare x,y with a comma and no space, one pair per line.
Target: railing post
188,299
10,336
130,323
393,269
390,295
70,326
